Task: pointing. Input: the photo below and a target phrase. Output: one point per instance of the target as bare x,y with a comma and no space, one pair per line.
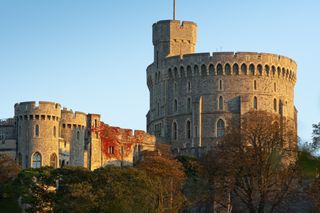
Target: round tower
73,126
194,97
38,133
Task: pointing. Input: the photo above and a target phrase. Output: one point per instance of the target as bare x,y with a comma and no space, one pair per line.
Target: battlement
7,122
129,135
68,116
167,30
41,107
231,56
171,37
224,63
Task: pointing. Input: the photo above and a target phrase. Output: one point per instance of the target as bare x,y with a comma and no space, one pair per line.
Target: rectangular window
111,150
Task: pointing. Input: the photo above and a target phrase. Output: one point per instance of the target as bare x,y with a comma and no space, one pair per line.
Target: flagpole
174,10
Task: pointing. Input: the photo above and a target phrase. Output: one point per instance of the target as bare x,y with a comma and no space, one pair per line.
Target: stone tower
38,133
94,143
172,38
73,131
195,96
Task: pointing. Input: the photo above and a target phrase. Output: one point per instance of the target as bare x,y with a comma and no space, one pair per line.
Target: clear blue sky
91,55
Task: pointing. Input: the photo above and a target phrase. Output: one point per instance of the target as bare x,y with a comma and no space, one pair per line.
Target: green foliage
196,186
109,189
309,164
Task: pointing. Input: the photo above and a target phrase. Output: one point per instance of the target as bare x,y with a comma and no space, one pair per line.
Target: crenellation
204,88
56,137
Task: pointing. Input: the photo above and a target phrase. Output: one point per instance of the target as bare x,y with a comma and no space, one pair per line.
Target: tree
196,185
254,164
168,177
314,192
36,188
123,190
8,172
8,169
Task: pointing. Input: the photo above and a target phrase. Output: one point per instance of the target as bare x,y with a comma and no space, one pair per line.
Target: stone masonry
195,96
44,134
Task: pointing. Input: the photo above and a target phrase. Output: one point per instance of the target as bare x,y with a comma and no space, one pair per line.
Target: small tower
171,38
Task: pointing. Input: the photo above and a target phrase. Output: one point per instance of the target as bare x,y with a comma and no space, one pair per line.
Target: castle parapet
68,116
33,108
224,63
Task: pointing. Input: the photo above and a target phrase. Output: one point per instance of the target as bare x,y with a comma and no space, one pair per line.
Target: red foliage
116,143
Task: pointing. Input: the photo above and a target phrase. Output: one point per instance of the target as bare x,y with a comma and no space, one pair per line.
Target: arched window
244,69
219,69
252,69
189,71
227,69
255,103
267,69
53,160
188,129
275,105
220,104
175,105
211,70
182,74
37,131
36,160
176,74
78,135
175,130
254,85
235,69
196,70
260,69
170,73
273,68
203,70
220,128
279,71
189,104
54,131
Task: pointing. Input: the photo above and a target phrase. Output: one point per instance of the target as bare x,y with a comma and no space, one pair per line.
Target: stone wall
204,88
139,141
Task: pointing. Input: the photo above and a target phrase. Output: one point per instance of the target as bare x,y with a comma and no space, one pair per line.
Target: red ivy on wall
117,143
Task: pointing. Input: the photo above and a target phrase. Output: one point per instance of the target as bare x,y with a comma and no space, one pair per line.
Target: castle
195,96
44,134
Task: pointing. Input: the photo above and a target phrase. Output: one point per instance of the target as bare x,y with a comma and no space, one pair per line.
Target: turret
171,38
